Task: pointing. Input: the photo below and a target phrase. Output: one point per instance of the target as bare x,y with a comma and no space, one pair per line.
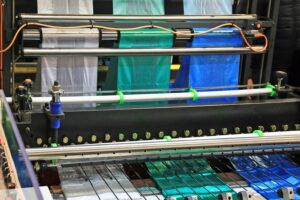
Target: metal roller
106,35
28,17
141,52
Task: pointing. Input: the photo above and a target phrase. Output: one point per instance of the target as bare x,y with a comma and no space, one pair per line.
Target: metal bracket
191,198
286,193
246,195
225,196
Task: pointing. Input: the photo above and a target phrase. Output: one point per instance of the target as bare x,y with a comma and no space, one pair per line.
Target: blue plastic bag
264,175
211,70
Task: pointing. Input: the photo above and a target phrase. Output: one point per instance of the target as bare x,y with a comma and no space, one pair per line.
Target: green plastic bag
141,72
185,178
138,7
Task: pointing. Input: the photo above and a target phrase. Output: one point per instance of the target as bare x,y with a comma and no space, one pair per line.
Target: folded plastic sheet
207,7
186,178
141,72
268,173
138,7
211,70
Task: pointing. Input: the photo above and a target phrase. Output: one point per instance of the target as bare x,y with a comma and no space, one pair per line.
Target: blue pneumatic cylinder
55,109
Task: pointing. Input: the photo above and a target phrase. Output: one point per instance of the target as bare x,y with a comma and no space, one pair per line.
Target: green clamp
273,93
259,133
121,95
195,94
53,145
168,138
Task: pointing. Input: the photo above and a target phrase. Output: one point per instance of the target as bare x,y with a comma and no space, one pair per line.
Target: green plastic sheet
185,178
141,72
138,7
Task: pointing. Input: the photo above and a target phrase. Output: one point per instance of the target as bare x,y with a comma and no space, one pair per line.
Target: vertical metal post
246,59
273,14
7,57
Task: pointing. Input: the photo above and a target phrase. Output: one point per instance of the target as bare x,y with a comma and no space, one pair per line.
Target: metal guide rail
140,148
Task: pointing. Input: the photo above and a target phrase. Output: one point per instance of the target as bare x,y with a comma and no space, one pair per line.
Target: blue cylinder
55,109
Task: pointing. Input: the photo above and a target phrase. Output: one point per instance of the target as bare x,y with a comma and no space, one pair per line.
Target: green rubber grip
121,95
273,93
195,94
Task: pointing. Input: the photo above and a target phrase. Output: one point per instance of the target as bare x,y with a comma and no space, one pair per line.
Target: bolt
121,136
148,135
161,134
273,128
174,134
224,131
65,140
237,130
107,137
187,133
285,127
212,132
249,129
134,136
262,128
79,139
94,138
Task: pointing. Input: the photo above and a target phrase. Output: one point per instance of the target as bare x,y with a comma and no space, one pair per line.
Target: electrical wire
258,35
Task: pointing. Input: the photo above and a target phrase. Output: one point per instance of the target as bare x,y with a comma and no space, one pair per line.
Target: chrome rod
180,143
33,52
27,17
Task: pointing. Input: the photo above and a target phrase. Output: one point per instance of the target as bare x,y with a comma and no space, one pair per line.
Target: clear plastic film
141,72
211,70
65,6
75,73
138,7
207,7
187,178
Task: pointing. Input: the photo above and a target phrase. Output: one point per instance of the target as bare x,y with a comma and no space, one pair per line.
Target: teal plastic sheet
141,72
187,178
138,7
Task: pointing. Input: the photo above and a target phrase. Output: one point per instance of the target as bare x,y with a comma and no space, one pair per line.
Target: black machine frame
264,62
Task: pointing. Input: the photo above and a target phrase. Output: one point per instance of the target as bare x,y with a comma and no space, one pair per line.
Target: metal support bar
33,52
153,97
181,143
28,17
